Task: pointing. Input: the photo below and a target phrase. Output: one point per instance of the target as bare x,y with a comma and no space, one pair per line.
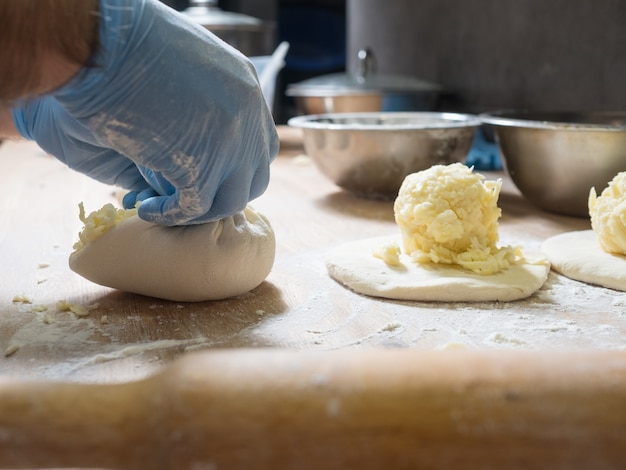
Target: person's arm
163,108
7,127
43,43
42,47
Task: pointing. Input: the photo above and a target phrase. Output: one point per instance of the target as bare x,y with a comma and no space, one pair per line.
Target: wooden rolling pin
349,409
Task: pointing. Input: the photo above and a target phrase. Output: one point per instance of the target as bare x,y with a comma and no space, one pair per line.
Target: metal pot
251,36
364,91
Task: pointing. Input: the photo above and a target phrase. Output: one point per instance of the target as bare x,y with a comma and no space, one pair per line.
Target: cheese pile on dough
99,222
448,214
608,215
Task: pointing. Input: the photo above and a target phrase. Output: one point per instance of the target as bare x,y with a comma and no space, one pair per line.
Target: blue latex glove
167,111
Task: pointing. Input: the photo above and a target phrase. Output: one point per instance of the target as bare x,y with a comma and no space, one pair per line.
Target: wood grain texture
279,409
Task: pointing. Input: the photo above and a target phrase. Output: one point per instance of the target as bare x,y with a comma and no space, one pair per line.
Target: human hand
165,110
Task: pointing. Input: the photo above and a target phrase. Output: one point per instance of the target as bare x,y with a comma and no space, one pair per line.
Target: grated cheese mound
608,215
448,214
99,222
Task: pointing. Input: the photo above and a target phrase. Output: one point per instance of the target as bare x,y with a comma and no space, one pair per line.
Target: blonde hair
32,31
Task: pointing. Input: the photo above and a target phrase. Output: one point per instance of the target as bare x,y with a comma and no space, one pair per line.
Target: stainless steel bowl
555,158
370,154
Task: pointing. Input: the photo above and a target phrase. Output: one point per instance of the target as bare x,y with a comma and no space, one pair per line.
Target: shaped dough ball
608,215
187,263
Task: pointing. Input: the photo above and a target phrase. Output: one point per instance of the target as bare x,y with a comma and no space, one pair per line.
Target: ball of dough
448,214
608,215
186,264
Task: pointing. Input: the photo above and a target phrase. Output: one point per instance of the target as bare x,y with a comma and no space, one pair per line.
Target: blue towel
484,155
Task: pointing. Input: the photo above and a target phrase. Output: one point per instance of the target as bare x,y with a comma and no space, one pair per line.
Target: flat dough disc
354,266
578,255
187,264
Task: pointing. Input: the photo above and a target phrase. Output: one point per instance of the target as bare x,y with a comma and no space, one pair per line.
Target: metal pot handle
366,65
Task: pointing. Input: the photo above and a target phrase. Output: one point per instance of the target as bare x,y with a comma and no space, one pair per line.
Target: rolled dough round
187,264
578,255
354,266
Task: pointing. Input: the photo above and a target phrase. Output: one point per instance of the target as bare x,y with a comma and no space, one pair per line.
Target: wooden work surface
299,307
300,373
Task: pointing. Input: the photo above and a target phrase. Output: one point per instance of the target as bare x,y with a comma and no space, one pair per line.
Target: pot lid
207,14
365,80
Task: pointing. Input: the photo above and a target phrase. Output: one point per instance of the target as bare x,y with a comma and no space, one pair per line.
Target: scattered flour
67,330
499,338
140,348
563,314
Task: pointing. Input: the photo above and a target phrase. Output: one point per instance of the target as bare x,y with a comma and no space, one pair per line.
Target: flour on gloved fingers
447,246
188,263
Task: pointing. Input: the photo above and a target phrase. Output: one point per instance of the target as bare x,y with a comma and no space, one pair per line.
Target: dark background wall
541,54
489,54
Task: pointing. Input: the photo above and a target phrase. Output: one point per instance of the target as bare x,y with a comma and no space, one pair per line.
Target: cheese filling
99,222
389,253
448,214
608,215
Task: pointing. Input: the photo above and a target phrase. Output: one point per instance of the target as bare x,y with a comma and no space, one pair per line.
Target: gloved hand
166,110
